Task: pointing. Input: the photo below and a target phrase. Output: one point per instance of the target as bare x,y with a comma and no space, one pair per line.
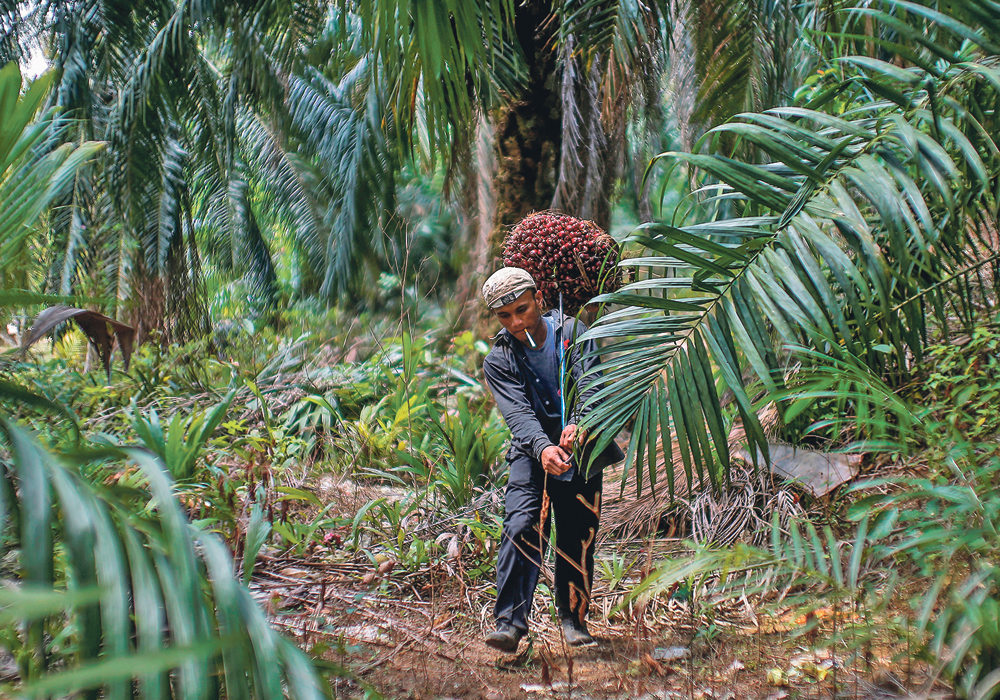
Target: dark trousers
576,506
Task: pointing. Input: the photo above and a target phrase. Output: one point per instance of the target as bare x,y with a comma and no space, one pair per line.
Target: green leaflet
859,219
127,568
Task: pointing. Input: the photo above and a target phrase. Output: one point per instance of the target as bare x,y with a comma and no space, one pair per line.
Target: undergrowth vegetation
240,436
917,570
408,414
827,275
414,453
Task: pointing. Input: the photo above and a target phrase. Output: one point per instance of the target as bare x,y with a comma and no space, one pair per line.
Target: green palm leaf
347,136
853,223
30,177
154,600
436,59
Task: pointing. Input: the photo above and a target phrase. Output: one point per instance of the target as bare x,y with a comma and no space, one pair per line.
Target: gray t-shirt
544,362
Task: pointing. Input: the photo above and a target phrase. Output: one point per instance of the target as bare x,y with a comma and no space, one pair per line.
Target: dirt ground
420,636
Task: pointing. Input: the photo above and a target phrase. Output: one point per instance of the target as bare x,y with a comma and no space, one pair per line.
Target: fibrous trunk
553,148
529,129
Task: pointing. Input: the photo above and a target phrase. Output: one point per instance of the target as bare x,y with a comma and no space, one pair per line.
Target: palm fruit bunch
564,254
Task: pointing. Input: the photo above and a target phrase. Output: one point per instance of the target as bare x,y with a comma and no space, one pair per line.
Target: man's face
522,314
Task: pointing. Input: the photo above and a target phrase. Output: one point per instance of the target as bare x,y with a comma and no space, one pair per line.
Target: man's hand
555,460
570,435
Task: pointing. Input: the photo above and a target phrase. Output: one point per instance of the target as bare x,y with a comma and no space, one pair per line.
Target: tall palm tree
555,79
182,92
549,86
746,55
212,112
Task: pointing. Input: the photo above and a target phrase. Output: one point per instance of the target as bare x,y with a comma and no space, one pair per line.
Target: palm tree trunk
532,172
529,131
148,307
528,137
527,141
170,306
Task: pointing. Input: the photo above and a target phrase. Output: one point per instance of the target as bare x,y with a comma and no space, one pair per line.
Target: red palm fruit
554,247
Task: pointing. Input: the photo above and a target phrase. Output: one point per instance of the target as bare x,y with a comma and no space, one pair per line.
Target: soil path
420,636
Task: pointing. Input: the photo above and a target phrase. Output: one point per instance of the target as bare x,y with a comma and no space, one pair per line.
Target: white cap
505,285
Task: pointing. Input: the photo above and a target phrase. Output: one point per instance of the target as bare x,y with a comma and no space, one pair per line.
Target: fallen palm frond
741,513
95,327
630,512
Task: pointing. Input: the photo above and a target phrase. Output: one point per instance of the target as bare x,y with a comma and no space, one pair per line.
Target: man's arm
511,396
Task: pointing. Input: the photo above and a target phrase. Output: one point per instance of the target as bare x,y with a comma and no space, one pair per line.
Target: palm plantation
294,204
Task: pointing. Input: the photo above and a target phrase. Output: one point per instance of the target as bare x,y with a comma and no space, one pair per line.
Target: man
522,371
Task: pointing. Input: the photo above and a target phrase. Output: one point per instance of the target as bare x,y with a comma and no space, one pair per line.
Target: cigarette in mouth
531,341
